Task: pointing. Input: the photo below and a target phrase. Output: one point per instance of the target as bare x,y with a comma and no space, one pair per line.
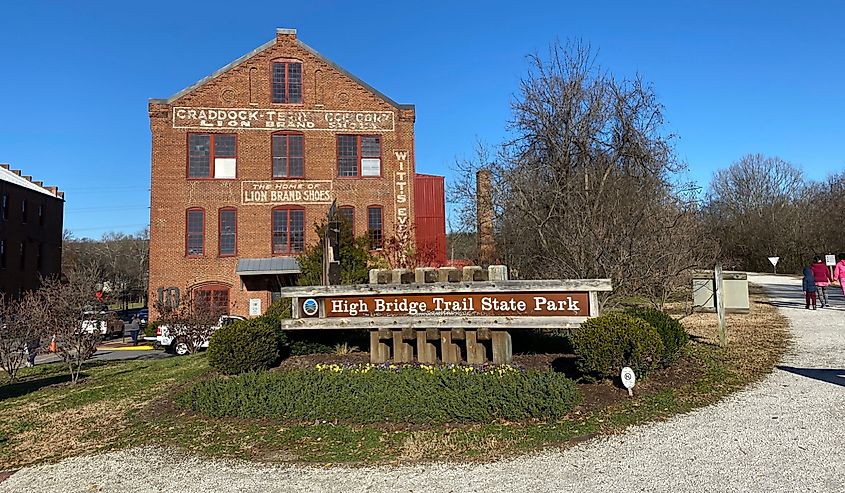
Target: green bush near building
248,345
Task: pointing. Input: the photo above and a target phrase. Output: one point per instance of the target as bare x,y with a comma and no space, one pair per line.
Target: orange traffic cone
53,345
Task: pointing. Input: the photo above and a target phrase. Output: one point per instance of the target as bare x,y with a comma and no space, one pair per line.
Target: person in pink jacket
839,272
822,279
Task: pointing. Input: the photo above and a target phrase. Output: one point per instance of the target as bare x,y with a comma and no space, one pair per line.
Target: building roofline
263,47
16,177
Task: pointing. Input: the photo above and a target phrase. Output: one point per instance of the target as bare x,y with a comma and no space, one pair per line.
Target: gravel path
785,434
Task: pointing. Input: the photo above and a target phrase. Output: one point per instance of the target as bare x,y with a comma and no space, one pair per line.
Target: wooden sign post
719,287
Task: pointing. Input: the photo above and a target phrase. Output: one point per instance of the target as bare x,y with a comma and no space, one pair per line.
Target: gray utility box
736,292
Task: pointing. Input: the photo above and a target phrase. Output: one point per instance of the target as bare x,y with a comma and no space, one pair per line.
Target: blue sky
735,77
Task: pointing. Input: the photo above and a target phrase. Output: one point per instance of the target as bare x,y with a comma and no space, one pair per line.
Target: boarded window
212,156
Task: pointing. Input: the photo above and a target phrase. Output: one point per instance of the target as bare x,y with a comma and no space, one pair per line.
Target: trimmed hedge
244,346
614,340
671,331
400,395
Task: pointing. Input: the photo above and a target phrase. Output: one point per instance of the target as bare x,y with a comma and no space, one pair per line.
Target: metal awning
267,266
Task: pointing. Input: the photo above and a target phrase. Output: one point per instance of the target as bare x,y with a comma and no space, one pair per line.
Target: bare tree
759,207
71,314
192,321
122,260
21,330
589,186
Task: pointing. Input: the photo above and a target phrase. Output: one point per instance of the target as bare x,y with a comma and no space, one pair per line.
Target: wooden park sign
463,320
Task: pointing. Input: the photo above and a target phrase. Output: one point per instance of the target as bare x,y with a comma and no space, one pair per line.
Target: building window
374,227
287,82
358,155
2,254
212,297
5,206
23,256
24,211
347,218
195,233
39,257
288,230
228,232
41,214
288,159
212,156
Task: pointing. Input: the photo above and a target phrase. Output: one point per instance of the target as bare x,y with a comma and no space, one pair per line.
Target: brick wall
34,233
246,86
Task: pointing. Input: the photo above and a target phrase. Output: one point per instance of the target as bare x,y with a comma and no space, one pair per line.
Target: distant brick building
247,160
31,218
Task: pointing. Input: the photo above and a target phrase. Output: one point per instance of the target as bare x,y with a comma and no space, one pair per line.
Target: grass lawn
123,404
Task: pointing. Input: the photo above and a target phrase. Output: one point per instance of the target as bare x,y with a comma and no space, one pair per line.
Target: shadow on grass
836,377
18,389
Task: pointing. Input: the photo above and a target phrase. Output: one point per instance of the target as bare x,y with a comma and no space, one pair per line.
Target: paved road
786,433
108,352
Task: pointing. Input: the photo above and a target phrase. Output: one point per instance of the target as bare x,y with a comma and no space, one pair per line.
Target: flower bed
387,393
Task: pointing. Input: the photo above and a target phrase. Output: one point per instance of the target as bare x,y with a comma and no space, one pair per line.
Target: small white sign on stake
629,379
774,261
830,260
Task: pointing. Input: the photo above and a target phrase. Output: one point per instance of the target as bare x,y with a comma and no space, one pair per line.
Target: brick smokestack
484,216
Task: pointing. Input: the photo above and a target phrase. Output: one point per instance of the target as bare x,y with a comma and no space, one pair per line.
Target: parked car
180,347
106,322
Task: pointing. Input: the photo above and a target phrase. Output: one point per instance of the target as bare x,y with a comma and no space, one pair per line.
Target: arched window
195,232
288,150
288,230
211,296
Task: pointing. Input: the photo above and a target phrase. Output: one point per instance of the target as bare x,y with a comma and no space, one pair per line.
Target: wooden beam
426,350
379,351
502,348
443,323
449,351
476,352
402,351
575,285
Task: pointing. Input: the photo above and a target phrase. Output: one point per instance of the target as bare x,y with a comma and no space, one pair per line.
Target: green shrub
372,395
671,331
277,311
150,330
612,341
245,346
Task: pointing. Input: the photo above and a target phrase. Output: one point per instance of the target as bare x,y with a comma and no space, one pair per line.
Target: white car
180,348
106,323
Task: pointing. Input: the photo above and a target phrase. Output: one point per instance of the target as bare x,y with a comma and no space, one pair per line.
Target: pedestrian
134,328
839,272
822,275
809,286
31,350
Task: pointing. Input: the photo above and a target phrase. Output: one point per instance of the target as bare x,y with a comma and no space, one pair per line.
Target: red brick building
247,160
31,218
